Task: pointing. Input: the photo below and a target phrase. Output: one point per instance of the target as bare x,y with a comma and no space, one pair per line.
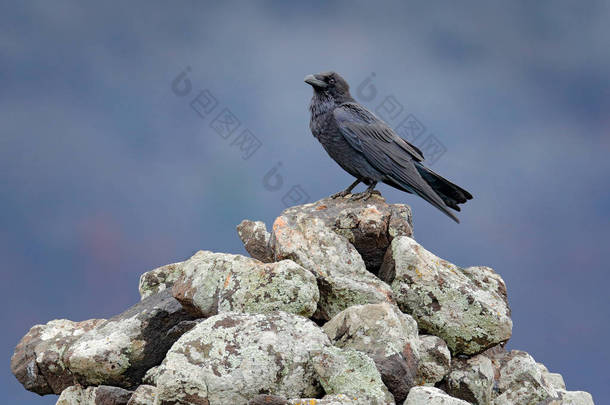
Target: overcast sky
106,172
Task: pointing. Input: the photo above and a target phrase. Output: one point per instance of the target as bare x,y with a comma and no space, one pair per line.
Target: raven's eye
331,81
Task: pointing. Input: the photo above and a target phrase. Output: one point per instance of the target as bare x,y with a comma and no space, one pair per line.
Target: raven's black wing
386,151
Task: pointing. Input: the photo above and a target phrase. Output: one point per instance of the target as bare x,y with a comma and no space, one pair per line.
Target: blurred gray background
106,173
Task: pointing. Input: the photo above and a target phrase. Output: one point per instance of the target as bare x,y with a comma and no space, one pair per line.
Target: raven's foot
365,195
347,191
341,194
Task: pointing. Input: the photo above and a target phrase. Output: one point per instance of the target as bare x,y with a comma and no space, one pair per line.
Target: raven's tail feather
424,191
451,194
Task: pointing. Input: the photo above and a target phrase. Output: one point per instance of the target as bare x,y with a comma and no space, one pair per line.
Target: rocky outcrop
466,307
337,305
212,283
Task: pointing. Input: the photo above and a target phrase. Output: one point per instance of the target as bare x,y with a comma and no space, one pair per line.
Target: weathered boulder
431,396
307,235
387,335
231,357
101,395
159,279
37,361
379,330
571,398
434,360
120,351
256,239
470,379
351,373
466,307
143,395
212,283
520,381
554,379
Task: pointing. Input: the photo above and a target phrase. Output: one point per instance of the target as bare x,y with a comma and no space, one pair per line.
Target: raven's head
330,84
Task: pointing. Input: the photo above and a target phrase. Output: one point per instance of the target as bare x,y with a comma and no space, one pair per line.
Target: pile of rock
338,305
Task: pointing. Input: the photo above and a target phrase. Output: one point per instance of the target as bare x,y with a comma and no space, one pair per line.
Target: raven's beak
311,79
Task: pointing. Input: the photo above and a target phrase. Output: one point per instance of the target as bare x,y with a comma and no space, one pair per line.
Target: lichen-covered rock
159,279
266,399
212,283
554,379
150,378
467,308
101,395
306,234
255,238
434,360
379,330
350,372
471,379
571,398
387,335
370,226
431,396
143,395
231,357
520,381
335,399
120,351
37,361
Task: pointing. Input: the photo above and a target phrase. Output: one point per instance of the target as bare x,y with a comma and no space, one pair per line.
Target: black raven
368,149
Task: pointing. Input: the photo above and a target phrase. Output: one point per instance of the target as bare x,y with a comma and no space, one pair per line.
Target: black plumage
368,149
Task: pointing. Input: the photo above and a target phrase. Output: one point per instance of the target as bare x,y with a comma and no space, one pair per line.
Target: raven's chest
323,126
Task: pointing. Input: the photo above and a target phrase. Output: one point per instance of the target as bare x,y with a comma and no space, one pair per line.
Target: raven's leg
366,194
346,191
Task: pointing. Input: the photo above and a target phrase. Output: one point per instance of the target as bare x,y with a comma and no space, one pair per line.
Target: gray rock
553,379
232,357
334,399
306,234
431,396
265,399
143,395
37,361
350,372
101,395
379,330
434,360
159,279
470,379
520,381
212,283
467,308
255,238
370,226
571,398
387,335
120,351
150,378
